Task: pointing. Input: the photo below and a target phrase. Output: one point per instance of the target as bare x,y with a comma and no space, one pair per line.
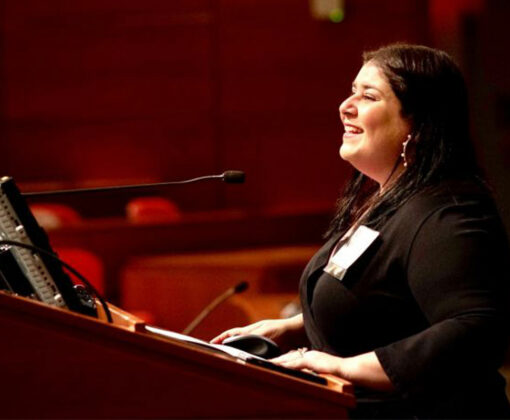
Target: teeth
353,130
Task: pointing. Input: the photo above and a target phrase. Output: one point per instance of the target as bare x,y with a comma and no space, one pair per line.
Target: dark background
103,92
112,92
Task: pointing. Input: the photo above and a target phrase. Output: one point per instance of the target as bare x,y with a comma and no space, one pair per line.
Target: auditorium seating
54,215
152,210
86,263
175,288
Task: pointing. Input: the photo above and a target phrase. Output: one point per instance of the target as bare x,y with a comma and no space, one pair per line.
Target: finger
281,359
224,335
296,363
311,360
218,339
287,357
249,329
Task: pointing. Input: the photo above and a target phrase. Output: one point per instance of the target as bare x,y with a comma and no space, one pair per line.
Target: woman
407,299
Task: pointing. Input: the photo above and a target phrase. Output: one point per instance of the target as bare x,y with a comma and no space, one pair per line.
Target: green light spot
336,15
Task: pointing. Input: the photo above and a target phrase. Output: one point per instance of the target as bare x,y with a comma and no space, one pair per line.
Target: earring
404,149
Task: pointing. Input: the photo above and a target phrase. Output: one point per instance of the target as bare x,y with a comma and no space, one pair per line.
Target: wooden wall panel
107,92
284,75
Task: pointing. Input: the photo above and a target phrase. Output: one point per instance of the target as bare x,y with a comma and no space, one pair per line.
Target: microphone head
241,287
234,177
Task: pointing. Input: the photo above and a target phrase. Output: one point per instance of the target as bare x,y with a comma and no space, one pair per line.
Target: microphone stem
118,188
207,310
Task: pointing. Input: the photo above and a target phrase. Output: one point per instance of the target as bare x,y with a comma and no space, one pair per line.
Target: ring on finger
302,351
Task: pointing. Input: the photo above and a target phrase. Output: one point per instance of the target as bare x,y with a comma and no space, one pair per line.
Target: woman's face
374,126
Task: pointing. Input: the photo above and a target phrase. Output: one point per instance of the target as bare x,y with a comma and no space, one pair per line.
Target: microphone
239,288
234,177
230,177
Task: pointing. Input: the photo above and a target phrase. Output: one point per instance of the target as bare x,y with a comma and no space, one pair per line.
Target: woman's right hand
284,332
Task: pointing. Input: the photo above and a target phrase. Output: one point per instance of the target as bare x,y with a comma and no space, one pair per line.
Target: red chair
52,215
86,263
152,210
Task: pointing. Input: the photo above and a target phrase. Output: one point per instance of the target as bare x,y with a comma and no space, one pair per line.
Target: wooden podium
58,364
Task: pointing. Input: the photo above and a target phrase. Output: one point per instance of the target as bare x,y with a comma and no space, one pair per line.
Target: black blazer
430,297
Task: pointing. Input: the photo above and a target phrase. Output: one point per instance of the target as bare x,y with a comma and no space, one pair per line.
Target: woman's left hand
363,369
316,361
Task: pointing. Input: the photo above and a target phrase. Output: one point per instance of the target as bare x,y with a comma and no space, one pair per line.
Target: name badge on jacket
356,245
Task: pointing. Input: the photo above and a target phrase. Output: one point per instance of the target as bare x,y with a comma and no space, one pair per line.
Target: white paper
238,354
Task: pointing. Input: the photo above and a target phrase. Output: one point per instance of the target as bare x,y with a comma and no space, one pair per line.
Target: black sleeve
457,273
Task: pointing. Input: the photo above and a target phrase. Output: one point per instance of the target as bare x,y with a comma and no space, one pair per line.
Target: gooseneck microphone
239,288
230,177
233,177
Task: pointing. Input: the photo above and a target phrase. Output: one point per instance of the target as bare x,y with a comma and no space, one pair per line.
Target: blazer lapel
321,258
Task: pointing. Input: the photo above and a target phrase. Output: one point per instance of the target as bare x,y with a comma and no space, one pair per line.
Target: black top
429,296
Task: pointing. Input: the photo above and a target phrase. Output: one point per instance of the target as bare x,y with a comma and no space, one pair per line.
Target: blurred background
107,92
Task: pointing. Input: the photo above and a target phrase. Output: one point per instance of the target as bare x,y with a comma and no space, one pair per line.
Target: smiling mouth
352,131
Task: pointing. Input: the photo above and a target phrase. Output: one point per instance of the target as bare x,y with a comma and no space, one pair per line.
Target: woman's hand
316,361
284,332
364,369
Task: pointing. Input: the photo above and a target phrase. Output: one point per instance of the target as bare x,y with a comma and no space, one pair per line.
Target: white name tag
356,245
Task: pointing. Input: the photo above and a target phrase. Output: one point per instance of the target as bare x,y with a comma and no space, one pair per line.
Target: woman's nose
347,108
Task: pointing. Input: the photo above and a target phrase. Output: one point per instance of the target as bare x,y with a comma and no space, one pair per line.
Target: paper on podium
238,354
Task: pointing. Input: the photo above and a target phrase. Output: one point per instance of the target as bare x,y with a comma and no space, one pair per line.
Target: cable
66,265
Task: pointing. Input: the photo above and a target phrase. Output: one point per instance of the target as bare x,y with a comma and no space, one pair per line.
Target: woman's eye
369,97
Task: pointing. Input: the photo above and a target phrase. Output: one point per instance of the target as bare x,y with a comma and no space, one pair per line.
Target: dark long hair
433,95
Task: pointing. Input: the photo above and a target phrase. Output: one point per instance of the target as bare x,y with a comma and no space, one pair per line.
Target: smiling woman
374,125
408,298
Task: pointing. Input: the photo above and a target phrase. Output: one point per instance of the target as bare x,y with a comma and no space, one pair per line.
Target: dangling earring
404,149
